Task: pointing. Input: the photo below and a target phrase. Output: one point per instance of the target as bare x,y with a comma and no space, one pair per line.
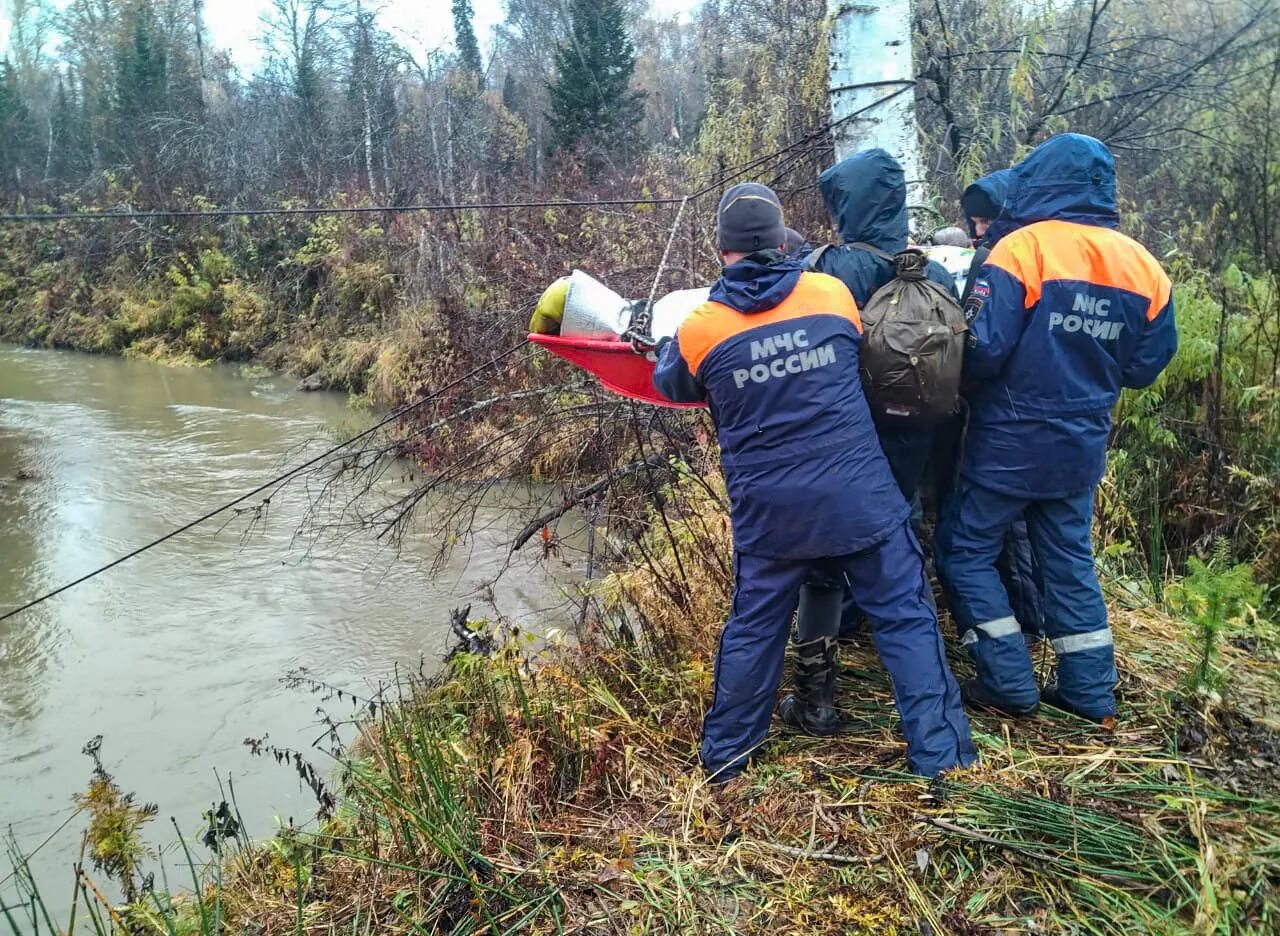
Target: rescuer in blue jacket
1067,312
774,352
866,194
983,202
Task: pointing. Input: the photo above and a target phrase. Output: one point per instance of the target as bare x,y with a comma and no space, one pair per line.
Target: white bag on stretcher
956,260
592,325
594,311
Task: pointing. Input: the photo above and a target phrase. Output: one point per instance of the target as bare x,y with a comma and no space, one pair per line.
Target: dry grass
561,794
563,797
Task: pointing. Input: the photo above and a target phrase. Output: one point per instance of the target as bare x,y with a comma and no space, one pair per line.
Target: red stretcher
613,363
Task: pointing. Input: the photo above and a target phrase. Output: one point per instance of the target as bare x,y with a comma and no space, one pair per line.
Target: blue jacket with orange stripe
774,352
1068,312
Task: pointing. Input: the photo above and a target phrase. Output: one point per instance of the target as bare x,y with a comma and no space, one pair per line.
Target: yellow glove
550,311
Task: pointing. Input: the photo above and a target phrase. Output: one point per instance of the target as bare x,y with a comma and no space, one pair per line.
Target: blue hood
995,187
1069,177
757,282
866,194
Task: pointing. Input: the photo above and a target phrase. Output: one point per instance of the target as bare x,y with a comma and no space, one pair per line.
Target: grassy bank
556,791
564,798
379,305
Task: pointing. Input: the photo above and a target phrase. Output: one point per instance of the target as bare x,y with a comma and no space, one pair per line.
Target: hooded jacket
866,194
774,352
994,188
1066,312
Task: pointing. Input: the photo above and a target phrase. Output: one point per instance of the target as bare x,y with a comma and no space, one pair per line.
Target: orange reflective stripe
1163,292
1019,256
1061,250
713,322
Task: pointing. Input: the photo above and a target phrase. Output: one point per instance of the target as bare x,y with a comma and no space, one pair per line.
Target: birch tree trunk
873,82
368,133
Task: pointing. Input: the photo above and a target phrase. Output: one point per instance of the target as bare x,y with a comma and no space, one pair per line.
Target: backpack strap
882,254
908,264
811,261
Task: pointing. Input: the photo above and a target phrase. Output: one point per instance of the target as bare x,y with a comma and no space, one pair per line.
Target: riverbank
560,794
380,306
176,657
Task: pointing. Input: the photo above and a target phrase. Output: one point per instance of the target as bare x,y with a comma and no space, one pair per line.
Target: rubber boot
811,707
973,692
1052,695
826,609
819,611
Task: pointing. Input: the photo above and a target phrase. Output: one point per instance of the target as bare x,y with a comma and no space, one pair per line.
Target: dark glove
641,342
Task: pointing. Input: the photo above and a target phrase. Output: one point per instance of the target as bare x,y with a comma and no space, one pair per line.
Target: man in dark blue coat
983,202
1067,311
866,194
774,352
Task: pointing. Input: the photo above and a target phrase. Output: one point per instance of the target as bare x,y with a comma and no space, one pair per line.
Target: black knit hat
977,203
749,219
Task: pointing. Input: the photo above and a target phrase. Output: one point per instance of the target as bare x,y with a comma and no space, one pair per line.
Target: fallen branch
986,839
825,854
477,643
577,497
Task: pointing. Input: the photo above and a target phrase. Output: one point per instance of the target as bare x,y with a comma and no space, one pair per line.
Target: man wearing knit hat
774,352
796,244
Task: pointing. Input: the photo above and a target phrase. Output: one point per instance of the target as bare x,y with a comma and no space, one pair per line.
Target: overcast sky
425,24
419,24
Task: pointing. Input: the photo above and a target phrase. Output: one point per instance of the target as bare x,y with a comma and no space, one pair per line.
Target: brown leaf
615,870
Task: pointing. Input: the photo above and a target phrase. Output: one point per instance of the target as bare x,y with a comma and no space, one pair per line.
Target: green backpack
913,336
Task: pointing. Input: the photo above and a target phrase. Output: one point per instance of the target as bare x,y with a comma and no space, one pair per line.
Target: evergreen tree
591,96
465,33
63,148
15,131
141,70
139,97
510,93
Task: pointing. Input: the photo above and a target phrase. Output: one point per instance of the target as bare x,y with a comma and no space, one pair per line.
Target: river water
176,657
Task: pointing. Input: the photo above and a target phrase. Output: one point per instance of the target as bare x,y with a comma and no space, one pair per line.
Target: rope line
279,479
22,861
666,252
338,210
174,214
